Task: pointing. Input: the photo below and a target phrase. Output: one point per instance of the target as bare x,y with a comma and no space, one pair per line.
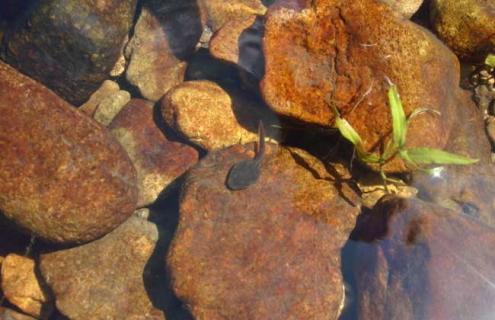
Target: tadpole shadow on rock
165,214
250,43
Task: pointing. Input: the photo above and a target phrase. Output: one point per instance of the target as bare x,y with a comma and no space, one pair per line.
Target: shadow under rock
165,214
181,22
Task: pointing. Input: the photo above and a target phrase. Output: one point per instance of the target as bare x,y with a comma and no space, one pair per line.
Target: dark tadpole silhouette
246,172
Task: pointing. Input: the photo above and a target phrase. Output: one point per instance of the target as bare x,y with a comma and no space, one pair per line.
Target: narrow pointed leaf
434,156
399,122
348,131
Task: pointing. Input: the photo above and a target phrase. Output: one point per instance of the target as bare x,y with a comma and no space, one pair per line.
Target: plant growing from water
415,157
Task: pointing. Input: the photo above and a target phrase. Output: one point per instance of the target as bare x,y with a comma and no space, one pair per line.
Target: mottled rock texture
8,314
107,88
404,7
239,42
107,278
270,251
69,45
226,41
63,177
219,12
110,106
466,26
165,34
415,260
340,52
22,288
212,117
158,160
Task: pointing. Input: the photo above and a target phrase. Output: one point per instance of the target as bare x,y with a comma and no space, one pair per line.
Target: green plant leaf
490,60
399,122
434,156
348,132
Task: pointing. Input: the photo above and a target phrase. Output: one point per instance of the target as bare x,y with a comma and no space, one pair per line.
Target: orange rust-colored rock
415,260
271,251
224,45
22,287
219,12
341,52
63,177
158,160
212,117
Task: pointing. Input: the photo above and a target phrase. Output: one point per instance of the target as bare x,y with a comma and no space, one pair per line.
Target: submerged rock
22,288
414,260
219,12
404,7
213,118
270,251
110,106
466,26
468,189
165,34
8,314
70,46
63,177
340,52
108,278
158,160
107,88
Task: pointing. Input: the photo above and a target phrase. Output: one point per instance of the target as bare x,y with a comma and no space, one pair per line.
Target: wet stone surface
264,252
158,160
110,278
414,260
156,52
336,52
467,26
22,287
78,40
63,177
212,117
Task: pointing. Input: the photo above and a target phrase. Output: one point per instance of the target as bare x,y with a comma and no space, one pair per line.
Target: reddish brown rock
158,160
239,42
70,46
212,117
164,35
415,260
225,43
63,177
220,12
108,278
270,251
22,288
466,26
341,52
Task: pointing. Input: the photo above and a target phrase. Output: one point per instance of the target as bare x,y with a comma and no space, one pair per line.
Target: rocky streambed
121,121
